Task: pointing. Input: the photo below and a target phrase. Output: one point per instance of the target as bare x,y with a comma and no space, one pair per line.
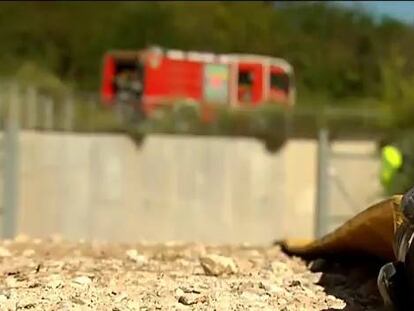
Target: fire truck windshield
128,81
245,78
279,81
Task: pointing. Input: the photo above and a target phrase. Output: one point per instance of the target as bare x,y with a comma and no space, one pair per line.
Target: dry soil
58,275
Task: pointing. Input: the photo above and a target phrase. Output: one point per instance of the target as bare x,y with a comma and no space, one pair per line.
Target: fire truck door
250,83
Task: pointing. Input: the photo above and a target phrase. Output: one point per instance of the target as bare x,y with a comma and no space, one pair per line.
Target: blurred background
219,122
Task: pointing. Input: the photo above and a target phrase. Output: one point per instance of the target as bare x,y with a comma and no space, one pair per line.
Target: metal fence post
68,114
31,121
2,105
91,112
322,191
48,113
11,165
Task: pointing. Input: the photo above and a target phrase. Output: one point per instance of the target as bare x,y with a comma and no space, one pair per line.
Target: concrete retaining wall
171,188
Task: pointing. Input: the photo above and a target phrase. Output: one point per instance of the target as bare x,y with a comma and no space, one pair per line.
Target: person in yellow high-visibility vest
391,162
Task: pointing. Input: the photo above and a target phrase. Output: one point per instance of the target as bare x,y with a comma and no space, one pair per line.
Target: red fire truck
163,76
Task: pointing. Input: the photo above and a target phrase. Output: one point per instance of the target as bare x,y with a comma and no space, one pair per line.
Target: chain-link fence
348,180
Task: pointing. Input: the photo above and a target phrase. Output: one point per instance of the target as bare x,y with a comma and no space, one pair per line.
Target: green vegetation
337,53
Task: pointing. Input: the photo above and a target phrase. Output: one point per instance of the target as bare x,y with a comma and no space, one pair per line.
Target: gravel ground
57,275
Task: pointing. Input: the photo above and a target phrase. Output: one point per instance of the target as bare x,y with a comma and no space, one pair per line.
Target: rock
271,288
245,265
194,251
191,299
78,301
21,238
252,254
7,242
295,283
54,281
247,286
4,252
309,293
77,253
179,292
174,243
186,300
282,301
28,252
199,250
11,282
25,304
54,284
90,275
56,238
134,256
190,289
249,296
55,265
319,264
217,265
134,305
280,268
336,303
119,298
82,280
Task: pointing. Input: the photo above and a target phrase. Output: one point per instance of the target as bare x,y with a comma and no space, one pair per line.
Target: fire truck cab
263,79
